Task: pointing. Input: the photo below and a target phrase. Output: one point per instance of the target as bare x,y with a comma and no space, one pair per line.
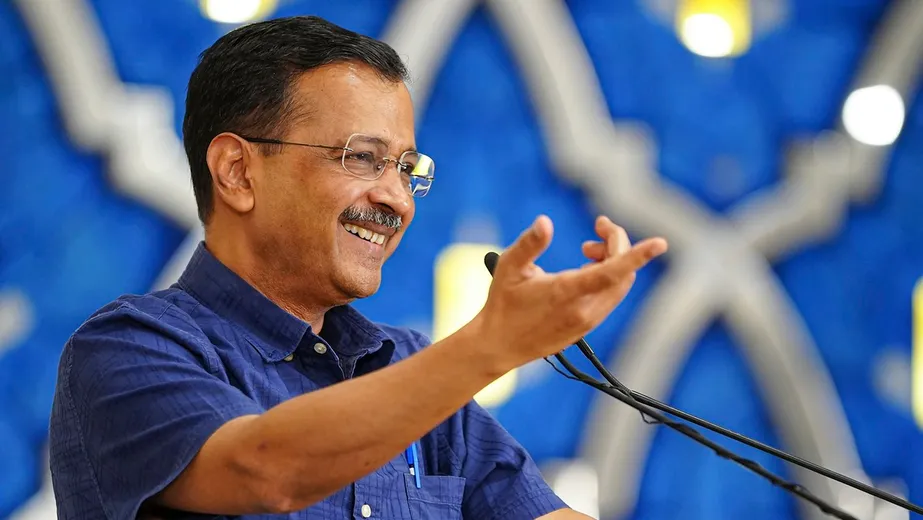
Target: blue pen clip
413,460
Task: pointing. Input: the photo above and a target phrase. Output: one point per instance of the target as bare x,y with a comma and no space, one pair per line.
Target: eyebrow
386,143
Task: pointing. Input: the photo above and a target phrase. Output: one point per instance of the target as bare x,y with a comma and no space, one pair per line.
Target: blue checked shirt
147,379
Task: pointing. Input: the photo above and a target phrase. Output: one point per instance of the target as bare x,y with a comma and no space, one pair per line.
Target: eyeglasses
366,157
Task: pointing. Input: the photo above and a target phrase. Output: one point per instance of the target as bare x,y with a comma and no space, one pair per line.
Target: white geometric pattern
130,125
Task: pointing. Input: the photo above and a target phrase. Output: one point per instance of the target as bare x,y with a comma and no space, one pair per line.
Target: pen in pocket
413,460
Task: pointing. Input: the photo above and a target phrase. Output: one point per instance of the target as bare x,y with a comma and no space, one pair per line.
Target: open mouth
365,234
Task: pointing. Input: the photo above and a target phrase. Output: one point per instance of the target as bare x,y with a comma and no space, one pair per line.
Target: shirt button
320,348
289,357
366,510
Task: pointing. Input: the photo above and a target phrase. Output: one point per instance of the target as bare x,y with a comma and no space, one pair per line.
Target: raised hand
534,314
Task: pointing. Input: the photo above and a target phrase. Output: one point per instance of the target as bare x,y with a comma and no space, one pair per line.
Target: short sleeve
137,397
503,482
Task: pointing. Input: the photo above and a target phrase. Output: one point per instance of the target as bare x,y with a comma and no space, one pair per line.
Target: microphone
490,261
614,388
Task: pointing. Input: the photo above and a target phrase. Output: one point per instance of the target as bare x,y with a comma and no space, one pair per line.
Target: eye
406,171
366,157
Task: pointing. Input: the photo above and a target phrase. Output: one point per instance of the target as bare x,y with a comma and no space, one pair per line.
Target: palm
540,312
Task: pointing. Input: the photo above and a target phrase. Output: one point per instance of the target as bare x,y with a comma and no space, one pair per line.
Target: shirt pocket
439,497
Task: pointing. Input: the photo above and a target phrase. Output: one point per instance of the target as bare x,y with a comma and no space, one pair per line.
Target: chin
358,287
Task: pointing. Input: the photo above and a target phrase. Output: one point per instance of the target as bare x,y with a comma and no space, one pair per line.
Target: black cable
617,393
820,470
627,392
558,370
693,434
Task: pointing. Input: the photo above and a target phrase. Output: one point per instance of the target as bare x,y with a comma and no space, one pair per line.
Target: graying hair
373,215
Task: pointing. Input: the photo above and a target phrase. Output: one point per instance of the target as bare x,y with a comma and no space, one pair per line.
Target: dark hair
242,83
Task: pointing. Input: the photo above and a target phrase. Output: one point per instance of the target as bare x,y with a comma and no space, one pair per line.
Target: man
251,388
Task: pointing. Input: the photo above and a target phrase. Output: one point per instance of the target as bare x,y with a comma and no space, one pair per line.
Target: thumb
527,248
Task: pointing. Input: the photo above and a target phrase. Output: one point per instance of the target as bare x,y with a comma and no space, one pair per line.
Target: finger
614,236
594,250
637,257
527,248
623,244
605,275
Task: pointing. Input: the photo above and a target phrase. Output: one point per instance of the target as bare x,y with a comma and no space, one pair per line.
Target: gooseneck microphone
648,407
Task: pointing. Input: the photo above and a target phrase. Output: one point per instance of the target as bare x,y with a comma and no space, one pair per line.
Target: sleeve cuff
191,444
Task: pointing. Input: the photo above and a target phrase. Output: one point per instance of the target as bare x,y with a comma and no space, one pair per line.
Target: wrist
495,355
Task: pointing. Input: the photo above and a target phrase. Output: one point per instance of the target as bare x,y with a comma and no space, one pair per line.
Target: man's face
307,207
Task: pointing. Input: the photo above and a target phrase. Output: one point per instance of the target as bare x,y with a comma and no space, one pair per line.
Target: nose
389,190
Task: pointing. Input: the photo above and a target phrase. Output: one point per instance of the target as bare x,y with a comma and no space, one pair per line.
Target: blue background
70,243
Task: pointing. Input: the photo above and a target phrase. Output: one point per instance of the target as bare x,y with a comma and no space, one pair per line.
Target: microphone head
490,260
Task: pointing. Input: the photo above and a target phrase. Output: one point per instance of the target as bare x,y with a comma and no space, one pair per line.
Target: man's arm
309,447
392,407
271,462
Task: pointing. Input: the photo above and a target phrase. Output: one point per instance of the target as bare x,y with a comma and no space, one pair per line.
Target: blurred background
778,144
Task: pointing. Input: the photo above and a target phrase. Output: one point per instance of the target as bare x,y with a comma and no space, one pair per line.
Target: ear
230,161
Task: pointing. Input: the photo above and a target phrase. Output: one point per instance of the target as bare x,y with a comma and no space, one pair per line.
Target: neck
273,281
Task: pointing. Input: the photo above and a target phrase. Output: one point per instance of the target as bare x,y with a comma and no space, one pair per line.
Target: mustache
374,215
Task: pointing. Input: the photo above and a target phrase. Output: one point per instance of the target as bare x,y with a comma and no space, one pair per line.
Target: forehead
346,98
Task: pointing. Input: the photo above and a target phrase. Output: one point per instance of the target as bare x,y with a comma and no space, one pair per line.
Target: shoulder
133,341
167,311
134,326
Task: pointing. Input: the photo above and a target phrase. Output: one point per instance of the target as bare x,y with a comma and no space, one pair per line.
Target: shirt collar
277,332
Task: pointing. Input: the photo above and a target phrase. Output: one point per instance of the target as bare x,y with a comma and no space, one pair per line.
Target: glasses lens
420,170
364,156
417,170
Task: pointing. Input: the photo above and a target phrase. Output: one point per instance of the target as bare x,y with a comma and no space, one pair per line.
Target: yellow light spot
714,28
917,354
461,286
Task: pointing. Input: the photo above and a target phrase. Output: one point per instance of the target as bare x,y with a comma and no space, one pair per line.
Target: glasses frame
399,162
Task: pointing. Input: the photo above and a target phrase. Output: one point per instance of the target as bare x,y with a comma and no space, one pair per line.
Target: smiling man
251,388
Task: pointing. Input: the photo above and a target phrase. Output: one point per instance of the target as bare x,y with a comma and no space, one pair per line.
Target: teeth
371,236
